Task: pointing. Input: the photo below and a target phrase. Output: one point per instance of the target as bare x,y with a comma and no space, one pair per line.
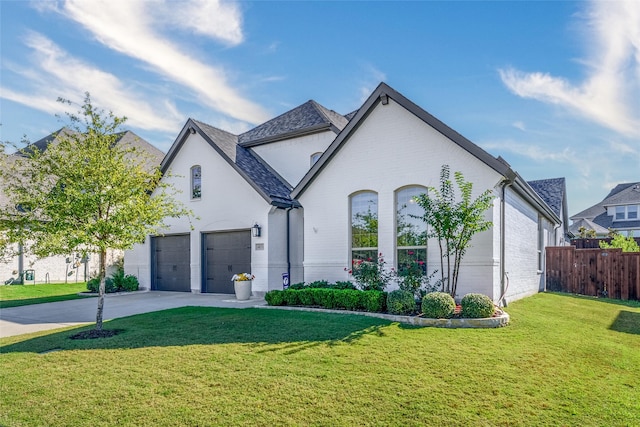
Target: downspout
289,244
503,288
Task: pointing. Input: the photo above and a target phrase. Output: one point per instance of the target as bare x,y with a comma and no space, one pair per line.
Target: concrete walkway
42,317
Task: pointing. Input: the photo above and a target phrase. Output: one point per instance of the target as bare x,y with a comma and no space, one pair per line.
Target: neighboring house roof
126,137
588,225
271,186
350,115
622,194
381,95
307,118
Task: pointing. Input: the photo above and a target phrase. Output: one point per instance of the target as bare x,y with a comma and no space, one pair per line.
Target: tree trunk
102,275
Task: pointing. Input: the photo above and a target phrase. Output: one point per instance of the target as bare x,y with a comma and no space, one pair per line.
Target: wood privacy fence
595,272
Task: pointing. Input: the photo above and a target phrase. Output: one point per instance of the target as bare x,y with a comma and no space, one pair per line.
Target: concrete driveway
42,317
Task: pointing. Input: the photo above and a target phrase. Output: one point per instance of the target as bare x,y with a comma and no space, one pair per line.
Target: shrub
291,297
476,306
374,301
305,296
109,286
438,305
325,297
349,299
274,297
401,302
318,284
295,286
344,285
370,274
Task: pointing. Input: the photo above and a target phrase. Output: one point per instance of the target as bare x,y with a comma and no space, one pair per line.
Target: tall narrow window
411,232
632,212
196,182
364,226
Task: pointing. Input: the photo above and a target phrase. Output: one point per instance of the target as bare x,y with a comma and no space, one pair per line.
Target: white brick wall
228,202
291,158
392,149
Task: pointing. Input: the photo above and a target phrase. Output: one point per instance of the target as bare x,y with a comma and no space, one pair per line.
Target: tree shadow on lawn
627,322
183,326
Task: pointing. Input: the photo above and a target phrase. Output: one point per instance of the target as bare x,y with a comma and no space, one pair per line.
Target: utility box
30,276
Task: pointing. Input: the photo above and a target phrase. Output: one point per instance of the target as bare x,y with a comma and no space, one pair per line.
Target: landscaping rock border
491,322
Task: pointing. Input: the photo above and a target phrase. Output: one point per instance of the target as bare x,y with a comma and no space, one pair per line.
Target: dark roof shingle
552,191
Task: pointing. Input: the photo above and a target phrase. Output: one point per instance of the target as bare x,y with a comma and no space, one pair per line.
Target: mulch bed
94,333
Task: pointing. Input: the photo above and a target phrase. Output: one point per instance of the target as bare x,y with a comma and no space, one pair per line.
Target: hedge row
347,299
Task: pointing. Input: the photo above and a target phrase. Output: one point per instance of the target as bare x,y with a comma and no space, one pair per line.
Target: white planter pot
242,289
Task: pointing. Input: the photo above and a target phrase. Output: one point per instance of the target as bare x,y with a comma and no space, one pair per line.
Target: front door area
225,254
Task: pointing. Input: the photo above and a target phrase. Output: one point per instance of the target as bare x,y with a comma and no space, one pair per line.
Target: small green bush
438,305
297,286
374,301
325,297
93,285
476,306
305,296
319,284
344,285
291,297
350,299
274,297
401,302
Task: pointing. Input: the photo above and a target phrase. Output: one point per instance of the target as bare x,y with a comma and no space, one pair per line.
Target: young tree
453,222
626,243
86,192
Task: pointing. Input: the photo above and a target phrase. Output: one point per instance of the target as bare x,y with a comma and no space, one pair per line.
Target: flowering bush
370,274
242,277
413,278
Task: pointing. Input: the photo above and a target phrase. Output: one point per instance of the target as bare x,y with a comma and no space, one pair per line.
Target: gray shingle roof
351,115
622,194
552,191
307,117
264,179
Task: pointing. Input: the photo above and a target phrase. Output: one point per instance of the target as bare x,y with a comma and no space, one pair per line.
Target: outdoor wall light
255,230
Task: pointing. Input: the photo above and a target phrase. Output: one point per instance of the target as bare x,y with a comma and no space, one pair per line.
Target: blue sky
552,87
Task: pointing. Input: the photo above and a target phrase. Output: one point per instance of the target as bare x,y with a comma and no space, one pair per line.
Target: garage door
226,254
171,263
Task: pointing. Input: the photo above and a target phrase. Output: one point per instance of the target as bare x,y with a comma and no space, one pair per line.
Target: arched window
364,226
411,232
196,182
315,157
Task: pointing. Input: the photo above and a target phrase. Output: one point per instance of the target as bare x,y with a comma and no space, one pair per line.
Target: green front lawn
17,295
564,360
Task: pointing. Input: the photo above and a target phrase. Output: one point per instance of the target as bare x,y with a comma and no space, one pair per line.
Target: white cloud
519,125
610,94
371,79
213,18
623,148
534,152
137,29
55,73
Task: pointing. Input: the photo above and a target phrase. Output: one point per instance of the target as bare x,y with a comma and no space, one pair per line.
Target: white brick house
307,176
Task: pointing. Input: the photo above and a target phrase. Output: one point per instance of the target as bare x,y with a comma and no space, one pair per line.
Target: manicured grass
564,360
17,295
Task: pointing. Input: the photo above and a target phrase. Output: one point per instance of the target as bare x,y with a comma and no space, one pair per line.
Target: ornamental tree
86,192
626,243
453,222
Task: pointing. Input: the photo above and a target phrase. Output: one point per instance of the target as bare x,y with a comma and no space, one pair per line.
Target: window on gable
315,157
364,226
196,182
411,232
632,212
620,212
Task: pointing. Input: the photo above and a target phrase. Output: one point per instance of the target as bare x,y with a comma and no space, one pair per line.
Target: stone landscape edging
490,322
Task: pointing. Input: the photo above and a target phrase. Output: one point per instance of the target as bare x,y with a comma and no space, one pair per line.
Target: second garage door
226,253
